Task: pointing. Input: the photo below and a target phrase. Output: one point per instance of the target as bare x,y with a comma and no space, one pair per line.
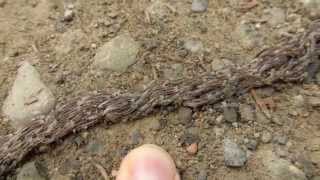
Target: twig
261,104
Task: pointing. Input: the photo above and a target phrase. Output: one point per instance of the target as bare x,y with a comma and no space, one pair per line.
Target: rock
230,114
28,98
185,115
275,16
29,172
246,112
235,125
299,101
159,11
113,14
219,119
278,119
266,137
252,144
192,149
282,152
314,148
68,15
281,140
117,55
199,5
314,144
234,156
280,169
193,45
315,157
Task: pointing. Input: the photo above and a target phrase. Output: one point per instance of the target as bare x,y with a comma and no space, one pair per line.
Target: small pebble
299,101
192,149
93,46
113,14
266,137
282,153
235,125
219,119
136,137
252,144
230,114
193,45
68,15
199,5
234,156
246,112
202,175
281,140
185,115
256,135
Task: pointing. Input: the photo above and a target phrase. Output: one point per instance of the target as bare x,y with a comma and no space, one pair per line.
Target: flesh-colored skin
148,162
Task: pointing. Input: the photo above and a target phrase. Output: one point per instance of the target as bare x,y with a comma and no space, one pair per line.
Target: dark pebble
185,115
282,140
188,139
230,114
136,137
252,144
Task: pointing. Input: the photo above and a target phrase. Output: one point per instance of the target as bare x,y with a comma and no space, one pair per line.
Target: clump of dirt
61,38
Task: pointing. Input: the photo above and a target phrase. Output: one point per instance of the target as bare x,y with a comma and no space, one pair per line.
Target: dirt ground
232,31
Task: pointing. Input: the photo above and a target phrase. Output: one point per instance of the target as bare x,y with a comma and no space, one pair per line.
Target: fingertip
148,162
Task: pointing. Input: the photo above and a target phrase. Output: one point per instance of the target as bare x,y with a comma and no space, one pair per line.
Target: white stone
29,97
193,45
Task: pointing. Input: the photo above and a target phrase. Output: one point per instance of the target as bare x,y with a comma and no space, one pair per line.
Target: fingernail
148,162
151,168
